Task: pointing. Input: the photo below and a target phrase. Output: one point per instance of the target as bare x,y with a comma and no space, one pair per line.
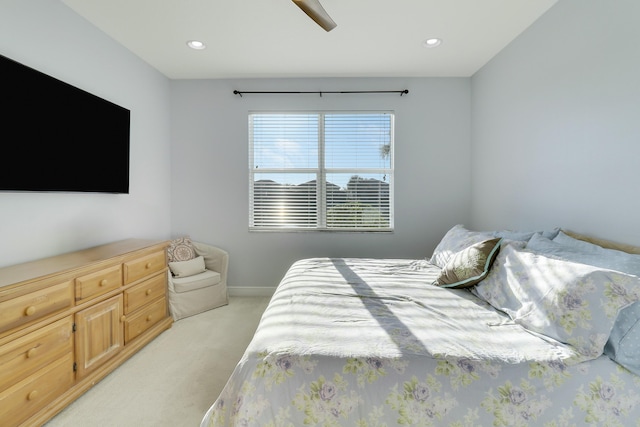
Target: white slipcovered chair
199,284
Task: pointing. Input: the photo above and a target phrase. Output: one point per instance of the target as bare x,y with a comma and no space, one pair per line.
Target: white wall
556,124
48,36
552,122
209,168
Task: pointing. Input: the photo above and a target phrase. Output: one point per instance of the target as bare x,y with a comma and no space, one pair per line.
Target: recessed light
195,44
432,42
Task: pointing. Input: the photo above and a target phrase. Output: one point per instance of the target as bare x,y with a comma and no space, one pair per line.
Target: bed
497,328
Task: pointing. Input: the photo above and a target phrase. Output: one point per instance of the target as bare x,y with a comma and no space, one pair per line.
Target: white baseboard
250,291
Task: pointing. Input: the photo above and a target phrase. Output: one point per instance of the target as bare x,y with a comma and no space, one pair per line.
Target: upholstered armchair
199,284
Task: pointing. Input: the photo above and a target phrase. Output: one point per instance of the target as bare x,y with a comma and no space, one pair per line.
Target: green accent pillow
470,265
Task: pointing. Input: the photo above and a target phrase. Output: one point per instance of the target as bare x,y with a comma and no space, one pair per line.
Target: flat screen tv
57,137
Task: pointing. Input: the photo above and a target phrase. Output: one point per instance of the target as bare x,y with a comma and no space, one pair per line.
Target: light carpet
174,379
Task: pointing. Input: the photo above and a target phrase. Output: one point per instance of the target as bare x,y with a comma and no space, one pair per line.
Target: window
321,171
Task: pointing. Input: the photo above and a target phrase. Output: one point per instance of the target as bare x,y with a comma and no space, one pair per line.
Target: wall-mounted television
57,137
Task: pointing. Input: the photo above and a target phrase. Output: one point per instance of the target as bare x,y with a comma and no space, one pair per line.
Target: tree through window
321,171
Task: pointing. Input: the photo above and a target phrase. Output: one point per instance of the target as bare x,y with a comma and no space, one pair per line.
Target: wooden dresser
68,320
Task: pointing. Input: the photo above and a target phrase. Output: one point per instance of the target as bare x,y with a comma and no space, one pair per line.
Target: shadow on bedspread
377,306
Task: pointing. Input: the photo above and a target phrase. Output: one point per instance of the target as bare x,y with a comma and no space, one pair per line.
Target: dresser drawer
25,355
145,266
144,319
35,305
98,283
33,393
145,292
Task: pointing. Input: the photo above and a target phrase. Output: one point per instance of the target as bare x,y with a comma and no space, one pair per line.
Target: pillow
571,249
607,244
514,235
606,258
181,249
547,247
469,266
550,234
495,288
187,268
525,235
455,240
623,345
574,303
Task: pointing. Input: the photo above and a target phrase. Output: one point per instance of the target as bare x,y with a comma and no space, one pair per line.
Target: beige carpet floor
174,379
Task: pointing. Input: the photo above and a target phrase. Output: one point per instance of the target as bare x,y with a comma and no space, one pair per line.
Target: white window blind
321,171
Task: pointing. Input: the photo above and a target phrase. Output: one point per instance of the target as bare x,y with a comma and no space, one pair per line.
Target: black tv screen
57,137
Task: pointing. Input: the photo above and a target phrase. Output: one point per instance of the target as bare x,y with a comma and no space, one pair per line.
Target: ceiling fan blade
315,11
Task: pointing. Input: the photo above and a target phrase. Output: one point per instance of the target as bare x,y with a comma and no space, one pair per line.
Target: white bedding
364,342
353,308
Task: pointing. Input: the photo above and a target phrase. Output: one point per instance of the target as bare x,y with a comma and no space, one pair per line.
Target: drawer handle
32,395
148,292
103,282
123,318
29,311
31,352
149,318
148,265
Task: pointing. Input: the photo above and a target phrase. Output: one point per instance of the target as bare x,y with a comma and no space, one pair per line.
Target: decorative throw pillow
455,240
187,268
574,303
469,266
181,249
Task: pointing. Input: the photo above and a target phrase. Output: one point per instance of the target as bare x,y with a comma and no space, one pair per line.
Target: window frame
321,172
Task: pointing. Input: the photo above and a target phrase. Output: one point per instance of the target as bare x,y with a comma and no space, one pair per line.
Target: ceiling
274,38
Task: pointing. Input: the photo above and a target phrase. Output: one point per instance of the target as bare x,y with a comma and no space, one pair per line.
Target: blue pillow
525,235
623,345
570,249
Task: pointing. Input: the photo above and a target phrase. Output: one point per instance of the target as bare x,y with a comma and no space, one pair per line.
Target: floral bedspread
369,342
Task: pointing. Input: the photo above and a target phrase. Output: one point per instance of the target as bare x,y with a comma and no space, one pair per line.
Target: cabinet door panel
99,334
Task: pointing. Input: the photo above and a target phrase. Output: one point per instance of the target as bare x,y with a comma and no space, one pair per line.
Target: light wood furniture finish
68,320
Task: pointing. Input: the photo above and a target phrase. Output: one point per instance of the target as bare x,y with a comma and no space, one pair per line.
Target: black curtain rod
401,92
